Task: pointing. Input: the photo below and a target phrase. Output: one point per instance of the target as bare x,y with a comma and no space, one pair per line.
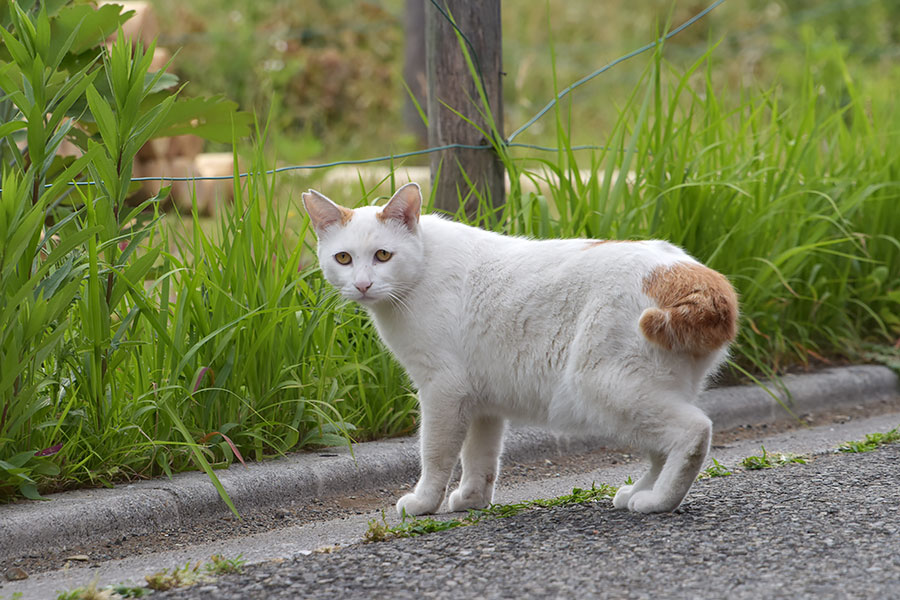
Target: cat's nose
363,286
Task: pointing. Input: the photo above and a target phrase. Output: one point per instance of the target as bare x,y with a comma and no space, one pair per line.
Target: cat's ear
324,213
405,206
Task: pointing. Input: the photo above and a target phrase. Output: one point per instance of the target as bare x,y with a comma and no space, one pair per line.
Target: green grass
416,526
715,470
138,349
188,575
871,442
112,592
771,460
161,581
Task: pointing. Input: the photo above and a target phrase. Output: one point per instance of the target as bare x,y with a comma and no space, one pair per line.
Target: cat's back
502,292
568,266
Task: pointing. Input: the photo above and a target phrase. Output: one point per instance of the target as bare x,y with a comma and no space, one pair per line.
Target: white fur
493,328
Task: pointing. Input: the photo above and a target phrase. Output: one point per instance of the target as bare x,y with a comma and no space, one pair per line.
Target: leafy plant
769,460
871,441
717,469
201,572
70,254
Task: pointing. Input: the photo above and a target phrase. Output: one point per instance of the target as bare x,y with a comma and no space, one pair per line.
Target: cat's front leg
624,494
440,436
480,464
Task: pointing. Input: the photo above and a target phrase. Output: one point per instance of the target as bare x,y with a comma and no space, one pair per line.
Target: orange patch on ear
346,215
697,309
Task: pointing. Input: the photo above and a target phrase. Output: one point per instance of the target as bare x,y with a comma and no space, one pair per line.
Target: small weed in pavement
872,441
770,460
110,592
186,576
380,532
717,469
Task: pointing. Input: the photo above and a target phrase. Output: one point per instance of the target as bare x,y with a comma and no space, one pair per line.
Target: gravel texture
826,529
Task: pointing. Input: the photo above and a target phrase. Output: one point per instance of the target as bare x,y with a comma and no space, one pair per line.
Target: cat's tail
696,309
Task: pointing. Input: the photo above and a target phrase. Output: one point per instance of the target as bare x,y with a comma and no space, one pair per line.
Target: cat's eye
383,255
343,258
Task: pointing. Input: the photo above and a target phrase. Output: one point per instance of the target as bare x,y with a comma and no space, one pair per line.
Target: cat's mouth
367,297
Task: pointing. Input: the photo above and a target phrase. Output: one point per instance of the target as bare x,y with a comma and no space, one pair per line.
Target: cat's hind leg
441,435
624,494
480,464
683,436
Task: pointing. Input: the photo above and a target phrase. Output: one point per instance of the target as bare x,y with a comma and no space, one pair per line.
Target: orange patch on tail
696,312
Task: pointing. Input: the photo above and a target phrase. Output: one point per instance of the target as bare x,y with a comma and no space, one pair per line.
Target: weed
872,441
885,354
187,575
91,592
771,460
380,532
161,581
131,591
219,565
717,469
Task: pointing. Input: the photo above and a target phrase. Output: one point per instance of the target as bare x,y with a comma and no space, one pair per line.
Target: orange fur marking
346,215
593,243
697,309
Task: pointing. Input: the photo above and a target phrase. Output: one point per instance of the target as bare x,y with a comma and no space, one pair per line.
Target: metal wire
509,140
609,66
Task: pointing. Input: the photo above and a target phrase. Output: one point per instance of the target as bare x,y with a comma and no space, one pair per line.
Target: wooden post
414,68
450,82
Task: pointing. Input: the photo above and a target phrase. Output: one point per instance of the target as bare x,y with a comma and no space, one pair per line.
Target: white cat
615,338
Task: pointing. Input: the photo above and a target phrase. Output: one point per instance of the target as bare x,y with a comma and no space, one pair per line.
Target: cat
615,338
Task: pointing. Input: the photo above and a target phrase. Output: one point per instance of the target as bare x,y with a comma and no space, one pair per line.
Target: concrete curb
75,518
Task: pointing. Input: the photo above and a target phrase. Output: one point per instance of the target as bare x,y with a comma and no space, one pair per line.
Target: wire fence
802,16
507,142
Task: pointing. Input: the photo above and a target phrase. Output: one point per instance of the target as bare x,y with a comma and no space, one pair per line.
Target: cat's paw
460,501
414,505
646,501
620,500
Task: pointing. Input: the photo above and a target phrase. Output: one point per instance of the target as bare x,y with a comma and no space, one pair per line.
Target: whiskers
397,297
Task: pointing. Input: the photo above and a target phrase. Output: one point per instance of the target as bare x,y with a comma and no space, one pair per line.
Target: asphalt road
826,529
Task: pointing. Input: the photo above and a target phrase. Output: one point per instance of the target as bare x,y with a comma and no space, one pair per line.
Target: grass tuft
717,469
187,575
771,460
413,527
871,442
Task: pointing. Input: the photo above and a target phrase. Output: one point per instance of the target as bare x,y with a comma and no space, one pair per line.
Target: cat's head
370,254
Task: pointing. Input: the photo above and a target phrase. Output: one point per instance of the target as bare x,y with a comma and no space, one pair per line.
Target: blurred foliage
66,44
331,71
322,70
